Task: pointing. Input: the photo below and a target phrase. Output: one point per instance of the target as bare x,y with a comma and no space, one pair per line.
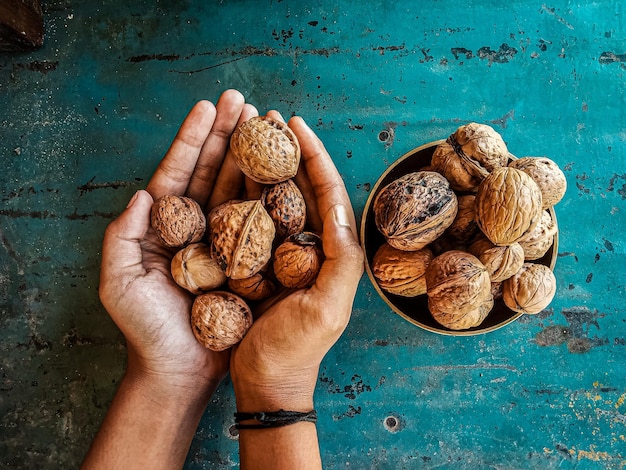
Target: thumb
342,269
121,249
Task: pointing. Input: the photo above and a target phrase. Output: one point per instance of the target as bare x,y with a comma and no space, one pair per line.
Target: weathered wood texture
85,119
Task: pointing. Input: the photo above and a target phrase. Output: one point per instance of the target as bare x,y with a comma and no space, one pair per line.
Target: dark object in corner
21,25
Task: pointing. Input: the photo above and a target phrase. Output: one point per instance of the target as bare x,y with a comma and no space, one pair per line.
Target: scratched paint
85,119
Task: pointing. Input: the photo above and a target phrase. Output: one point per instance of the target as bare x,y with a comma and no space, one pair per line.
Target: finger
325,180
230,180
339,276
121,249
174,171
304,185
228,110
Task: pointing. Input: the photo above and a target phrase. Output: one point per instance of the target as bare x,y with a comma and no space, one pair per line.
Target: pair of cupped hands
277,363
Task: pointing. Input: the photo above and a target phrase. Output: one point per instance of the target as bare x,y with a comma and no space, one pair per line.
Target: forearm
148,425
294,446
291,447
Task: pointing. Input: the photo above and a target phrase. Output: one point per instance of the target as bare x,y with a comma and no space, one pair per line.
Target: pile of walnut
242,251
469,229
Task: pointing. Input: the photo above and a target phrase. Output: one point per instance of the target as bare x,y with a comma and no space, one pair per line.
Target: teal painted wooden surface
85,120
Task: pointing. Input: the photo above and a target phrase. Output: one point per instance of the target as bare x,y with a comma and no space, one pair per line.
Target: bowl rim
363,235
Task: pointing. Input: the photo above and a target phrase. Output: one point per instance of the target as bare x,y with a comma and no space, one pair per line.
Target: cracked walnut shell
193,268
469,155
530,290
415,209
508,205
242,234
298,260
401,272
266,150
220,319
177,220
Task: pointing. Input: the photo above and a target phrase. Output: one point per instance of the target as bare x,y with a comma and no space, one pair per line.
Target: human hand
136,287
276,365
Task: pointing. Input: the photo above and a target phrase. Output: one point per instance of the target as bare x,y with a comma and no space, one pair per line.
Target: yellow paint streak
593,454
620,400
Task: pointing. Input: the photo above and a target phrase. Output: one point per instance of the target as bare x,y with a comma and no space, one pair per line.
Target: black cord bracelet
273,419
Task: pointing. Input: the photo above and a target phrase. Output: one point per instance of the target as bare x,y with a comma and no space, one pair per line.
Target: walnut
464,227
508,205
193,268
461,321
242,235
530,290
219,210
298,260
401,272
257,287
548,176
177,220
469,155
501,261
285,205
538,241
458,285
415,209
220,319
266,150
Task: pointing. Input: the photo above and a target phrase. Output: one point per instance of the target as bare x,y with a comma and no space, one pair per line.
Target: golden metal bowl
415,309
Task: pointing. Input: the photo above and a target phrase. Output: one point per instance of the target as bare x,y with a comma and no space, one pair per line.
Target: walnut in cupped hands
220,319
266,150
177,220
298,260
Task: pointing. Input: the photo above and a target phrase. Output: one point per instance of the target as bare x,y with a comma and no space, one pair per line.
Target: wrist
253,397
165,388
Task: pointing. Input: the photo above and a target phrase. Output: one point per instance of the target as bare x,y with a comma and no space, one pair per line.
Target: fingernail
133,199
340,214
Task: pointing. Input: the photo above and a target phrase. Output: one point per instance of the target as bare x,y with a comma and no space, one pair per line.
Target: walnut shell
257,287
548,176
415,209
508,205
266,150
464,227
177,220
456,283
220,319
501,261
457,321
193,268
538,241
242,235
530,290
401,272
297,261
469,155
286,206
